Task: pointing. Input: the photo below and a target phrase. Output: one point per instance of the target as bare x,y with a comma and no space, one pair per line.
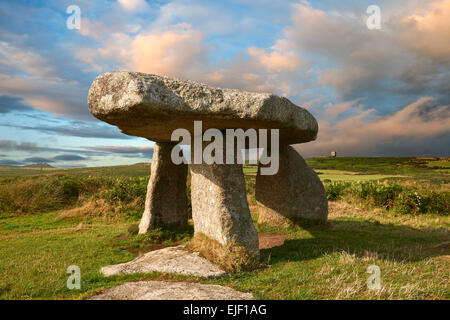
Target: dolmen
157,107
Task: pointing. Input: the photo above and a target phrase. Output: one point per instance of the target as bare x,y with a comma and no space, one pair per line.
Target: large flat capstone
153,106
165,290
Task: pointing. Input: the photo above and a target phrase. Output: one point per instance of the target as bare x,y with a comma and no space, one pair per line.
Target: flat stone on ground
164,290
168,260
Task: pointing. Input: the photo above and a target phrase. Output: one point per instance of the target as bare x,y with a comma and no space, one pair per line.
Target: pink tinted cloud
364,60
133,5
422,120
277,60
172,52
52,95
428,31
336,109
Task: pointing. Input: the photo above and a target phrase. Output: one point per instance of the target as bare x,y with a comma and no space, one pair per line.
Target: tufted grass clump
133,229
231,258
169,233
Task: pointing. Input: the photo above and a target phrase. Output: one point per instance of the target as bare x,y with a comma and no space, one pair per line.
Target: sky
374,91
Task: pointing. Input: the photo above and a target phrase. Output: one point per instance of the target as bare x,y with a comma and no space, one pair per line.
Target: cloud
276,61
133,5
9,104
335,110
68,157
10,145
248,72
19,146
172,46
60,97
428,32
77,129
420,128
181,50
27,61
132,151
405,58
6,162
173,52
37,160
311,103
209,17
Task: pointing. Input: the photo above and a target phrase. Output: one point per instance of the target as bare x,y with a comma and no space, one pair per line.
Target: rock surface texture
152,107
169,260
166,202
164,290
294,192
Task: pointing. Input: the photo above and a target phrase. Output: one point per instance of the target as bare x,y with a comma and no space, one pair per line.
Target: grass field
341,175
135,170
419,169
86,217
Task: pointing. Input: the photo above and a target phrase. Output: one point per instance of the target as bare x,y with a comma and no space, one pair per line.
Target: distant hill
38,165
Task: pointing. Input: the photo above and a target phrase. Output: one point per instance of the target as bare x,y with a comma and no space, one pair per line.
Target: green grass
330,262
439,164
77,215
419,169
341,175
250,169
316,262
135,170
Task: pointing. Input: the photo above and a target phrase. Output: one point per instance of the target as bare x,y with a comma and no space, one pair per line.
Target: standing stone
166,202
294,192
220,210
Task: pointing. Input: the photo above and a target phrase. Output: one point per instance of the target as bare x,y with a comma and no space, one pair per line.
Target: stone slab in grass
169,260
164,290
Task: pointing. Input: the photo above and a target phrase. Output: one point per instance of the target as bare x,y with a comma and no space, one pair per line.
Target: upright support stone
294,192
166,202
221,214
